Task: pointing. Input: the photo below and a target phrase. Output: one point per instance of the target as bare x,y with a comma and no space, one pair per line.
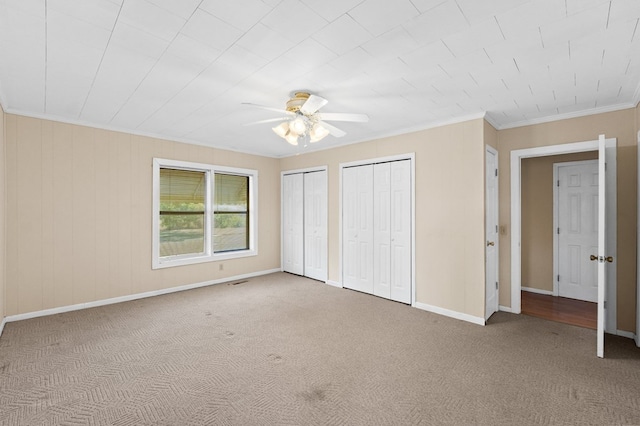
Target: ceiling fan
302,119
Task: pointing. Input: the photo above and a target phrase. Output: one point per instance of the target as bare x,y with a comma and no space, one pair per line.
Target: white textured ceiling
180,69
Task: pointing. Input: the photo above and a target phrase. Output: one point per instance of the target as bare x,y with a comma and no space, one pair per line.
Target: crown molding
568,115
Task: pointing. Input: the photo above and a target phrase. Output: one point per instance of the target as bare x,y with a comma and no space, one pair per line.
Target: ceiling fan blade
280,110
313,104
340,116
269,120
334,131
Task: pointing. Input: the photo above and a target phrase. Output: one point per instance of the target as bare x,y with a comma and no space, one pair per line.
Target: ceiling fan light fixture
292,138
282,129
298,125
317,132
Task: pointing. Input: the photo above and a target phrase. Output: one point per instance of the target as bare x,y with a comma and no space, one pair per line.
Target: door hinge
558,278
558,183
496,285
605,304
496,229
558,231
496,172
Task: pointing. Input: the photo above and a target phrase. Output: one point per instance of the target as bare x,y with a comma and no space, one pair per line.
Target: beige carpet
284,350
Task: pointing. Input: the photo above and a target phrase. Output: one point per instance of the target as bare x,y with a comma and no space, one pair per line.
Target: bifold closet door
315,225
400,231
377,230
357,230
392,230
293,224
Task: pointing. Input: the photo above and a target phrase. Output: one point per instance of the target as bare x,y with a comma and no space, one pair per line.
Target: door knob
604,259
490,243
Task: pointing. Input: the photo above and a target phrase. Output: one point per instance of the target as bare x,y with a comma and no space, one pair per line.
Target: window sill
183,261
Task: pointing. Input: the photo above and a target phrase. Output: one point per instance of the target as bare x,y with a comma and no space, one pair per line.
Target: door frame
409,156
556,217
293,172
516,219
492,150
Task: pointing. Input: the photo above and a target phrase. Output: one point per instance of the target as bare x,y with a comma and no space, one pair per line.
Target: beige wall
537,217
2,217
449,199
619,124
79,214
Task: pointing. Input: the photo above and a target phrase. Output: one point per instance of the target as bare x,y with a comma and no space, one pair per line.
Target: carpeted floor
285,350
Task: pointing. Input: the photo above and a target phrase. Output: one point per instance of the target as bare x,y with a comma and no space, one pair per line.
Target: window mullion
208,207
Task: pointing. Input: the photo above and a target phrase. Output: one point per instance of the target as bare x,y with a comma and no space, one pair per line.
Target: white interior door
491,231
381,230
400,231
603,258
577,230
315,225
292,223
357,234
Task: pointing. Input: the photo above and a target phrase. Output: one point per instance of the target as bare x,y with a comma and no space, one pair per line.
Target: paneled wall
79,214
449,198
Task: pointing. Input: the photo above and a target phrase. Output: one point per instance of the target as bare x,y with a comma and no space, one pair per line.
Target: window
202,213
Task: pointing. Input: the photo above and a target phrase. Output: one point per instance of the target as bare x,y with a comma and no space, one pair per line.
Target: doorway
607,230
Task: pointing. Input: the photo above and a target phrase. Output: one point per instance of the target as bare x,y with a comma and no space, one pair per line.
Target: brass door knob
593,257
609,259
490,243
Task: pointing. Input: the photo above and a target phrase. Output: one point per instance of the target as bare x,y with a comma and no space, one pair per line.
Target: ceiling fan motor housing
295,103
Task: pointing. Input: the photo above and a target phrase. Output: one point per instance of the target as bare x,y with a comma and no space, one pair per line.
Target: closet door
381,230
292,223
400,231
315,225
357,230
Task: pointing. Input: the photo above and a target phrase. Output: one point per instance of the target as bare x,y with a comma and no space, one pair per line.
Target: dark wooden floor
560,309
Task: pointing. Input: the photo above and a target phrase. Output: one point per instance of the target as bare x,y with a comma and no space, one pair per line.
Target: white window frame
209,255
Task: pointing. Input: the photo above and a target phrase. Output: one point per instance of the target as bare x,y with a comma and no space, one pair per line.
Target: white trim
516,224
334,283
4,321
209,255
128,298
556,219
568,115
537,291
305,170
505,309
638,243
408,156
449,313
627,334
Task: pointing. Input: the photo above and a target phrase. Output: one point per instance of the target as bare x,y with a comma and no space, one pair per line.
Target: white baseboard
505,309
449,313
334,283
626,334
4,321
537,291
103,302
